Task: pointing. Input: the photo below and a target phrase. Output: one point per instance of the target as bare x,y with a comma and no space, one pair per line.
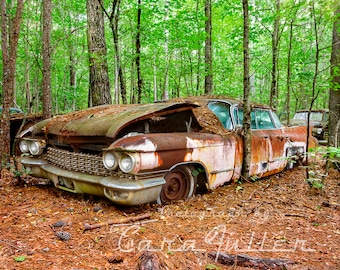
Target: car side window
238,114
260,119
263,119
222,111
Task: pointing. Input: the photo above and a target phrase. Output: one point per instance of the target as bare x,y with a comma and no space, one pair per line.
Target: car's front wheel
180,184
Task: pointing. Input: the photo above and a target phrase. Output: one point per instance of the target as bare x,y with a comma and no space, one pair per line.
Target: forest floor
280,217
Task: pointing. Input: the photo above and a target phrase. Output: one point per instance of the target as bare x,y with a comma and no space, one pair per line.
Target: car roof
206,99
314,110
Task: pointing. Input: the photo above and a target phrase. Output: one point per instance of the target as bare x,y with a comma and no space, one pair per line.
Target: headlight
36,147
110,161
23,146
127,163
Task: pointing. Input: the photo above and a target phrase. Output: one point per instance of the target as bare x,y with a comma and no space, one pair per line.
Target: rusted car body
319,119
134,154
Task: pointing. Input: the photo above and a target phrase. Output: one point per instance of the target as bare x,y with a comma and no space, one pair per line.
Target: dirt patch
280,217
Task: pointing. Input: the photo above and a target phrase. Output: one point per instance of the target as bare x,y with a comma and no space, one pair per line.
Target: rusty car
160,152
319,119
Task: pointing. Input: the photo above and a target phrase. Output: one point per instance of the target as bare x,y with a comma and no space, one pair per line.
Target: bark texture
9,56
246,94
46,40
208,86
99,88
334,99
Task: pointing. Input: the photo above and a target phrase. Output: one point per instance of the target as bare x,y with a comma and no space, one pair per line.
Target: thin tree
293,13
138,45
334,96
275,57
289,71
208,83
198,76
9,57
46,48
315,92
246,93
165,94
99,88
114,20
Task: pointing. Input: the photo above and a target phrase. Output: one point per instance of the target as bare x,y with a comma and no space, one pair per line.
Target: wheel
180,184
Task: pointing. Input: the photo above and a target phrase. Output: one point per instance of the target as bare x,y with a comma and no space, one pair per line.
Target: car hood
106,120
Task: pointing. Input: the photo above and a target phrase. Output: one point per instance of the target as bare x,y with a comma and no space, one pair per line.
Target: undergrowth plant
323,158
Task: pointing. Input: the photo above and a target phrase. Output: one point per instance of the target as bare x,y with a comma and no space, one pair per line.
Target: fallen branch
249,261
111,222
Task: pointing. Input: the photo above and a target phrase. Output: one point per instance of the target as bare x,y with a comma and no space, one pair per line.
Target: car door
260,145
267,136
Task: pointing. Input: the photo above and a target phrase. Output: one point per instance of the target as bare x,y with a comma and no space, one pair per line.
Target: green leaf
238,188
20,258
211,266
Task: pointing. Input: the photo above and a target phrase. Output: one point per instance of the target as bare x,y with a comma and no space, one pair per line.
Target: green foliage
322,155
197,171
172,43
332,153
239,188
211,266
20,258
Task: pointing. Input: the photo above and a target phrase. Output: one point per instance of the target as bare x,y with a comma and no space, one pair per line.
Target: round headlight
35,148
127,163
23,145
110,161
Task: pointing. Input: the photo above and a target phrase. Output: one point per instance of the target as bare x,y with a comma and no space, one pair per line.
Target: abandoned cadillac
135,154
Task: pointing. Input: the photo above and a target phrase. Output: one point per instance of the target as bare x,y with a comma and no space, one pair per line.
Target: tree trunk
99,90
275,43
114,19
315,93
46,74
139,75
246,94
155,98
73,78
208,84
9,56
334,96
289,72
198,75
165,94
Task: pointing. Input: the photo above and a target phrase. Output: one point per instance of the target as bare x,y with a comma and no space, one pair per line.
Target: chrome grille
79,162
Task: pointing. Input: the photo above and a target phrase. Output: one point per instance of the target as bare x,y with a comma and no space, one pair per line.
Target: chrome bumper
118,190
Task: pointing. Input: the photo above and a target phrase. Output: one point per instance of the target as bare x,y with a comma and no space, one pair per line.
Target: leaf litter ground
42,227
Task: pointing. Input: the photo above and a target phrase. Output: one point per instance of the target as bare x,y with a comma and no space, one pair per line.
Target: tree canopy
171,53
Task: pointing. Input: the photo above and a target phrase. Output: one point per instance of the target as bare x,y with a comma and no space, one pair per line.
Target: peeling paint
154,139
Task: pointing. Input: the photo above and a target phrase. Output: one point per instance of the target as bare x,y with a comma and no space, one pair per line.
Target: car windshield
260,118
222,111
314,116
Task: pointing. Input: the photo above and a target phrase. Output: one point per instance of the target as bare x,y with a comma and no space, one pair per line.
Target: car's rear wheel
180,184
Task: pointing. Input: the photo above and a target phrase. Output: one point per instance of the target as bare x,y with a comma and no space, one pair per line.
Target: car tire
180,184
